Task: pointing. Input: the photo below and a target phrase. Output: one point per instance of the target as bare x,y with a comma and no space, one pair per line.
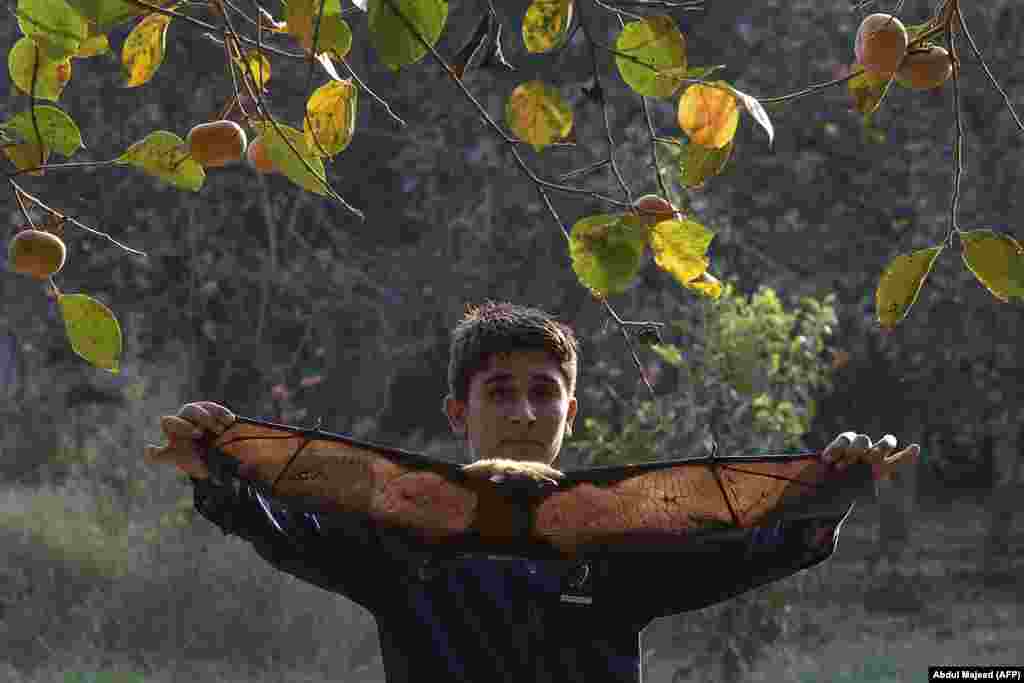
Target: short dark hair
501,327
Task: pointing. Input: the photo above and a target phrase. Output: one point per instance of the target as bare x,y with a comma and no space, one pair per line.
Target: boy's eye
544,392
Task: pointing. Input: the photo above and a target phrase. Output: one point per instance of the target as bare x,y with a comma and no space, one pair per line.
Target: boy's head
512,382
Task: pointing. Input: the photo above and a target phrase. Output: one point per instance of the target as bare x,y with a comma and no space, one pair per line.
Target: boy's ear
455,411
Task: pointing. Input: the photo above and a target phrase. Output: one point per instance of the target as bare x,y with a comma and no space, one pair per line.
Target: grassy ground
836,624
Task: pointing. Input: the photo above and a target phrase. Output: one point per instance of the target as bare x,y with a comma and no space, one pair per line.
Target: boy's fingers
178,428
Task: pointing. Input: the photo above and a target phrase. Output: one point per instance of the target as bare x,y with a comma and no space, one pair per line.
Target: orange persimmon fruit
881,44
258,158
36,253
217,143
925,69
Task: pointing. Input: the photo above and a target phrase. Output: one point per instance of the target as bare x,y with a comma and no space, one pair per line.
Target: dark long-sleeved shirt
484,619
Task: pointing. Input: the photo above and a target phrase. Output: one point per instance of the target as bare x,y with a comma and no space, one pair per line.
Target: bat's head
512,383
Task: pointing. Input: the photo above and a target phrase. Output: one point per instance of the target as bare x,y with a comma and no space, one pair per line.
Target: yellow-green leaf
330,118
706,284
996,260
27,155
333,36
256,67
395,44
606,251
51,75
698,163
58,130
92,329
537,114
709,115
900,284
53,25
546,24
669,353
143,49
651,46
867,90
284,159
93,46
679,248
165,155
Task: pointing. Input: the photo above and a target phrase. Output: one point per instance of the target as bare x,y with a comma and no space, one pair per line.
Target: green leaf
57,28
165,155
996,260
537,114
92,329
546,24
107,14
901,283
395,44
606,251
653,45
284,159
698,163
51,76
58,130
867,90
680,248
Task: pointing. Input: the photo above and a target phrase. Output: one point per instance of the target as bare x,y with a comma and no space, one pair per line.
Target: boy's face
519,408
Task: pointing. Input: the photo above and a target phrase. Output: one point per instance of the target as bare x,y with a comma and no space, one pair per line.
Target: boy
512,385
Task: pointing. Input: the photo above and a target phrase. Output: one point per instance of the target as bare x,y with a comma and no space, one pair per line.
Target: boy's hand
193,422
850,447
499,470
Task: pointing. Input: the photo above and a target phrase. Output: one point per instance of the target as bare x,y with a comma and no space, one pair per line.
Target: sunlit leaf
996,260
698,163
144,48
900,284
165,155
333,35
669,353
606,251
867,90
396,46
537,114
751,104
56,131
255,66
709,115
284,159
330,117
95,45
51,76
106,14
706,284
546,24
652,45
53,25
92,330
680,248
673,78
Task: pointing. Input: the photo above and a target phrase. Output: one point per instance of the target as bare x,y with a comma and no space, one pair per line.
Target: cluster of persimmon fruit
219,143
881,48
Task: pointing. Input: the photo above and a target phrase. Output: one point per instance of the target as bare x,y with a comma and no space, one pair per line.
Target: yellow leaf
900,284
165,155
537,114
996,260
706,284
709,115
679,248
330,118
546,24
143,50
256,67
92,329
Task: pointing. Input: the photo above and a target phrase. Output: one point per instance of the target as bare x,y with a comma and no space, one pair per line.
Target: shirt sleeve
343,556
670,584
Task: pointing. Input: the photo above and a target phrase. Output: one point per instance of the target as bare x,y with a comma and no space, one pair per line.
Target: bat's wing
652,506
331,473
648,507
